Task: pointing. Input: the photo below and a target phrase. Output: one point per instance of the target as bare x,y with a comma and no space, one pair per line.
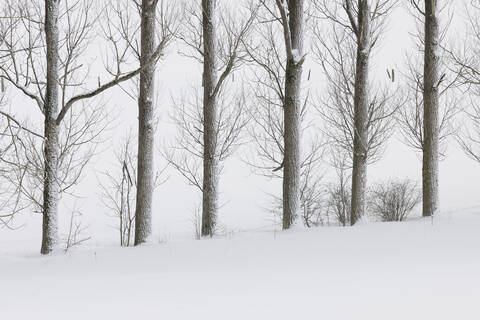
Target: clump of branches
466,64
394,200
119,187
120,27
22,161
469,137
334,48
186,152
11,201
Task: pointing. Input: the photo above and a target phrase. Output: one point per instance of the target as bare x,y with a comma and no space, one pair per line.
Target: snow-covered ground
421,269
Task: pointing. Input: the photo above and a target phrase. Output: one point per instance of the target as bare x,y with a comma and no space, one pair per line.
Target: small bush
339,193
394,200
338,203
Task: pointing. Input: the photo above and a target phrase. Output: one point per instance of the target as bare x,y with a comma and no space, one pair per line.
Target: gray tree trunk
430,109
359,170
292,110
51,187
210,157
146,122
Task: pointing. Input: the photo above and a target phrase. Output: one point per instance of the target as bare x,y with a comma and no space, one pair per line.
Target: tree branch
109,84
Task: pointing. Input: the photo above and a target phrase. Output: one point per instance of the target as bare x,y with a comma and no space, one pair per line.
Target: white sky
242,192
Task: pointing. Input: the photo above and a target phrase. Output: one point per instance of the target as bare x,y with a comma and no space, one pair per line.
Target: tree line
43,45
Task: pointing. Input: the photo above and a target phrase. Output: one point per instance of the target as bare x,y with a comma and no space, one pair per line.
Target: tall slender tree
431,82
51,108
146,130
360,139
292,19
361,22
210,159
140,29
210,123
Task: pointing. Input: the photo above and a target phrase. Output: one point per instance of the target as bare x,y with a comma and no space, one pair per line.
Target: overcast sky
243,194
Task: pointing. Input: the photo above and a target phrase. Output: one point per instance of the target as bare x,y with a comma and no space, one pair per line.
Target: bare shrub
339,196
313,208
118,193
196,221
76,230
394,200
119,189
312,200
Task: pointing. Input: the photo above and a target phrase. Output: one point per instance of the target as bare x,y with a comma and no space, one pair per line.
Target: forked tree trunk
430,109
360,141
146,123
292,110
210,157
51,186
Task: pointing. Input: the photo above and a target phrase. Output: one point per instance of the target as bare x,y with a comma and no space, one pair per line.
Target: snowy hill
421,269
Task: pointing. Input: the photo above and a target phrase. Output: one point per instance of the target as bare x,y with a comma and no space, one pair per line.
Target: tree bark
146,122
360,141
51,187
210,157
430,109
292,110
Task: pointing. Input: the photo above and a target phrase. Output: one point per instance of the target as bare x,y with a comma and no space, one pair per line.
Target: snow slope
420,269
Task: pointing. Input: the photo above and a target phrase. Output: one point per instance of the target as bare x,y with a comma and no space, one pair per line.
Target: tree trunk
360,141
292,110
210,157
430,109
146,122
51,187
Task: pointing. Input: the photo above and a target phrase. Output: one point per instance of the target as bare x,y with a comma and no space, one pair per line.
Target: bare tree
411,115
156,22
210,81
431,81
292,20
432,84
209,124
360,118
57,35
266,129
290,16
335,50
146,131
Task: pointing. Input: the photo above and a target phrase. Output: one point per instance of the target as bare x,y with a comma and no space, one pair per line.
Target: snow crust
410,270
